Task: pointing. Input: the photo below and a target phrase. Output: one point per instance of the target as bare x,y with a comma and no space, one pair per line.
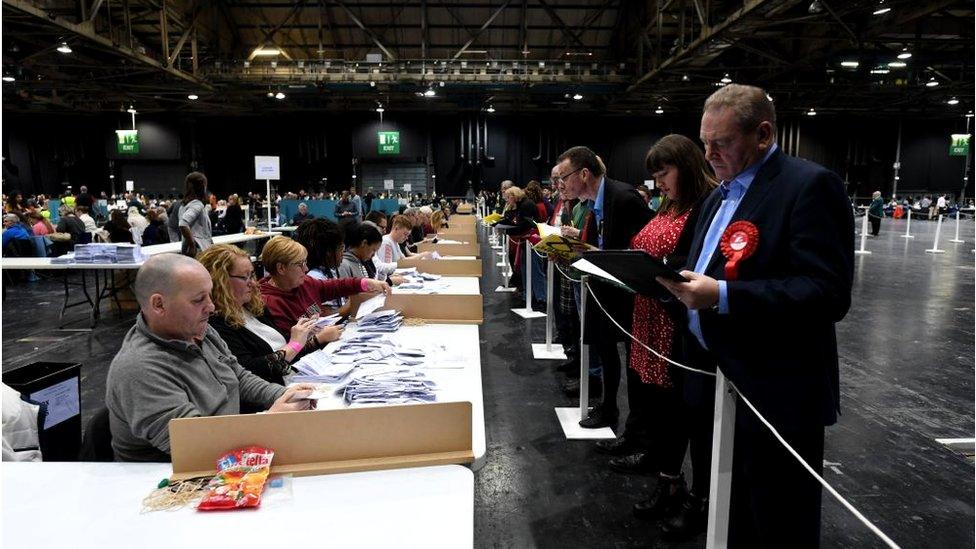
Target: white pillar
505,270
527,312
935,245
723,441
908,226
956,239
584,391
548,351
267,183
864,236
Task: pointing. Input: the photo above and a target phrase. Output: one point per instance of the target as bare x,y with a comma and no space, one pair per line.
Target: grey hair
302,204
11,217
158,276
751,105
507,183
411,211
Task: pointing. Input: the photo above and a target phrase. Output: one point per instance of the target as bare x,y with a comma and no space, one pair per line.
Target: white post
548,351
908,226
864,236
505,270
584,392
267,183
723,441
527,312
935,245
956,239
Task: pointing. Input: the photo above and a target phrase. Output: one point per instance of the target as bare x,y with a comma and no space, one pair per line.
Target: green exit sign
389,142
128,141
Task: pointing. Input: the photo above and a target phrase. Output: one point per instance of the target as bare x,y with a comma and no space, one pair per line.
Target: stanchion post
908,226
584,387
720,488
935,245
527,267
548,351
956,239
864,236
505,270
549,319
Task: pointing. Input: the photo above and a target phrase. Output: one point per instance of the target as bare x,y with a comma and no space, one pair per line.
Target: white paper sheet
370,305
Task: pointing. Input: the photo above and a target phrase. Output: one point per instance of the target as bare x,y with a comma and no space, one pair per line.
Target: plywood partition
464,234
329,441
462,221
446,267
469,249
434,308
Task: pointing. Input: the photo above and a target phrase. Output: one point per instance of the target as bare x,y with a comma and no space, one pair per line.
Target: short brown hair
695,180
534,191
751,105
582,157
281,250
401,221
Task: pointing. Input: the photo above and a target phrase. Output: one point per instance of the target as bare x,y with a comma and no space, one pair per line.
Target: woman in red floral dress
659,431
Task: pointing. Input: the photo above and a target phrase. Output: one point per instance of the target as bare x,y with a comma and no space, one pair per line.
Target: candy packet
240,479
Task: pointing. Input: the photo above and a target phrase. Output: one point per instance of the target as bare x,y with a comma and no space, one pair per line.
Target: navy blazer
777,343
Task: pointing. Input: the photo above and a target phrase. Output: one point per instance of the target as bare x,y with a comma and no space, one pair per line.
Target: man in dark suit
770,325
617,214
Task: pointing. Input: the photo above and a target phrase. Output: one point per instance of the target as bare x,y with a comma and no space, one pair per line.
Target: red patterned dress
652,325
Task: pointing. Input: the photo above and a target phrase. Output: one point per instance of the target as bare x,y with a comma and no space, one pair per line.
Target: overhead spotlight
952,101
266,51
769,97
932,83
880,70
372,84
725,79
64,47
815,7
279,95
490,108
8,78
577,96
441,83
270,94
811,112
274,64
430,92
658,110
905,54
969,114
684,78
850,64
897,65
881,9
379,108
131,109
193,97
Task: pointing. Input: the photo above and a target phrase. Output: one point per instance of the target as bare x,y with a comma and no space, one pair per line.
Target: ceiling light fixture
725,79
193,97
577,96
905,54
953,101
490,108
897,65
811,112
880,71
379,108
64,47
658,110
815,7
881,9
131,109
430,92
279,96
932,83
850,64
684,78
266,51
8,78
372,84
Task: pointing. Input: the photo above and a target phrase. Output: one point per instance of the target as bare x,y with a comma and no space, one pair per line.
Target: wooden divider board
329,441
462,221
469,249
450,267
433,308
465,234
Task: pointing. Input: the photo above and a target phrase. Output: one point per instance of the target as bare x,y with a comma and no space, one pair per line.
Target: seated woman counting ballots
291,294
323,240
240,317
362,241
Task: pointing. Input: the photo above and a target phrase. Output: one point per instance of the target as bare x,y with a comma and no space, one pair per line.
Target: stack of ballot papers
405,271
107,253
328,320
385,384
318,367
128,253
380,321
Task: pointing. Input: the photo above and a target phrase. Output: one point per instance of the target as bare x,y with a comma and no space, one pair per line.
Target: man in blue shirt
768,319
13,229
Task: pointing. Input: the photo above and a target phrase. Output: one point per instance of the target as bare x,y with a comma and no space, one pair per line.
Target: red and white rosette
739,241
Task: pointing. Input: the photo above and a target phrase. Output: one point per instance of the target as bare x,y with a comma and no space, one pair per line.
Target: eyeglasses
562,178
251,276
303,263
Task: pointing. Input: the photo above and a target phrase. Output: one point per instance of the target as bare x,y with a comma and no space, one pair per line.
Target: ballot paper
321,367
370,305
386,384
429,276
380,321
330,320
405,271
548,230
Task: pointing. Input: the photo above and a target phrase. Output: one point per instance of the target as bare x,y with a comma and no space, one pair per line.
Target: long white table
174,247
97,505
453,363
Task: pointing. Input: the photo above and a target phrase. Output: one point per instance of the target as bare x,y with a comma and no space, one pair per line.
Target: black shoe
690,520
600,417
634,464
572,387
619,446
667,498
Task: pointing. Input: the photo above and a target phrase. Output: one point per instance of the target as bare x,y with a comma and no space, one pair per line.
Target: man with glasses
617,213
770,273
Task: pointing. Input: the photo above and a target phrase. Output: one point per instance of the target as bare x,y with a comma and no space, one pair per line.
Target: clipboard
635,269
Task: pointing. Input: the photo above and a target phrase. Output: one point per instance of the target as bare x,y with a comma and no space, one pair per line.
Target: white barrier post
548,351
720,485
864,236
956,239
908,227
506,272
527,312
935,245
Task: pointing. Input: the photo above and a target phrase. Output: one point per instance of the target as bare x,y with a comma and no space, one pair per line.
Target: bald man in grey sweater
172,364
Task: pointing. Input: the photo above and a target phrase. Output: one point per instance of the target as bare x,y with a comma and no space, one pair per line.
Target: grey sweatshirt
153,380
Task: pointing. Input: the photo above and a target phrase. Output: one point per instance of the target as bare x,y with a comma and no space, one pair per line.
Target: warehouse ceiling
514,56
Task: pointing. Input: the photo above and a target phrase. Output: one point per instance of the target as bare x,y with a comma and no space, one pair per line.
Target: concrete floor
907,367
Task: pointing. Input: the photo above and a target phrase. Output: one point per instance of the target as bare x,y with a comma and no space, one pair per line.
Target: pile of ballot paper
107,253
383,384
380,321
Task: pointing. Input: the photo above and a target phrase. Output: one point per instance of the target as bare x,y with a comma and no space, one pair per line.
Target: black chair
97,442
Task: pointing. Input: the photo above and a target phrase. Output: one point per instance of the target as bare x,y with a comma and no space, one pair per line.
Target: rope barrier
561,271
864,520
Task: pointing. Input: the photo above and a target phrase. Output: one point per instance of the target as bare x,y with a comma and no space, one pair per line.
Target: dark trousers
774,501
875,225
609,357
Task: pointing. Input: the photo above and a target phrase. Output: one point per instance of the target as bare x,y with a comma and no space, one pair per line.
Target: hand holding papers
370,305
562,247
633,270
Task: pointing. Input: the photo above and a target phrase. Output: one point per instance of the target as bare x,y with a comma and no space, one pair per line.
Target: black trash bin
58,384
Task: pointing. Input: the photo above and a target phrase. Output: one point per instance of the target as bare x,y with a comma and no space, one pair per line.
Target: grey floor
907,370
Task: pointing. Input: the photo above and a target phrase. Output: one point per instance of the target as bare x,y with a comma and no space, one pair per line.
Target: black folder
635,268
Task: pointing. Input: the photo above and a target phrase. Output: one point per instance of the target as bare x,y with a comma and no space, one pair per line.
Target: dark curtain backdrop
43,153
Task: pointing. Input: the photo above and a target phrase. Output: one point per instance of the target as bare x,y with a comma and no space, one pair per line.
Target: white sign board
649,183
406,187
266,167
388,184
130,185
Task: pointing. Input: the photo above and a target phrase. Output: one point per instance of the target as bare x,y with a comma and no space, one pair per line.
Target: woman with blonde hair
291,294
240,317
